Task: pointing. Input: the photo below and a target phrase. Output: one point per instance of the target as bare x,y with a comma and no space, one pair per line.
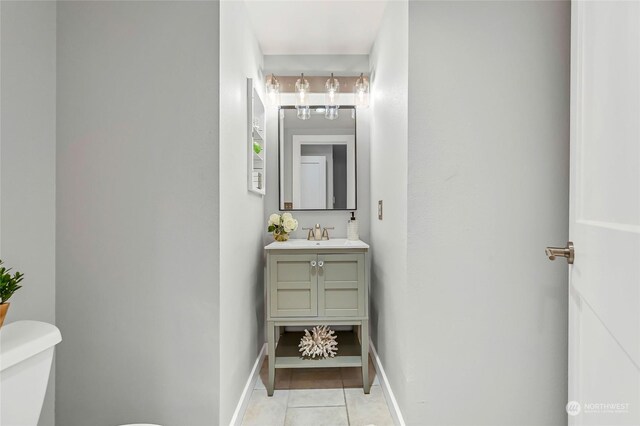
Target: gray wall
241,212
392,328
28,161
487,191
468,316
137,213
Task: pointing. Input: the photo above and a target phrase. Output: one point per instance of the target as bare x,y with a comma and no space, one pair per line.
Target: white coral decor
321,343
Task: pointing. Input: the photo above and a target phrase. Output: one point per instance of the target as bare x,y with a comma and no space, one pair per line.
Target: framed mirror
317,160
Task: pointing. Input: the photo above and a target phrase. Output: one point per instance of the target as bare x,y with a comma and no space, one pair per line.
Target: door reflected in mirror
317,160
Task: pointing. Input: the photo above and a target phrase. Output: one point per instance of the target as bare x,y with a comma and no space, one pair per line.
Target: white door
313,183
604,293
327,140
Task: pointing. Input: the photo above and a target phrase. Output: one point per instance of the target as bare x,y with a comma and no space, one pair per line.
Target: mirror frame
355,142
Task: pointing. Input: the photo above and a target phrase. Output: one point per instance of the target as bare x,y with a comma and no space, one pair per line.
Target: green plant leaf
9,283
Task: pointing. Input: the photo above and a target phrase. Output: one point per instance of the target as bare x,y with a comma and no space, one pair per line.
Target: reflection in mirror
317,160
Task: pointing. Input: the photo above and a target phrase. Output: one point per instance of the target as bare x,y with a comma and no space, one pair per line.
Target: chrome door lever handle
567,252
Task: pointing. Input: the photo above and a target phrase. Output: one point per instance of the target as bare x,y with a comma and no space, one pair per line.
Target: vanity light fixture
332,88
361,92
331,113
273,90
304,112
302,91
302,98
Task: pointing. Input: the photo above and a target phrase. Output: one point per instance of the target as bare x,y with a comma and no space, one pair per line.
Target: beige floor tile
352,376
316,378
316,398
266,410
367,409
283,376
316,416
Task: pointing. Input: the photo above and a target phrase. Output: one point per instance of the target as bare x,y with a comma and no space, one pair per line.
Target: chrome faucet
325,233
317,233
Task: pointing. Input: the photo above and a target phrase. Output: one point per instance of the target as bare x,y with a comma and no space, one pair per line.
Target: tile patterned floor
316,397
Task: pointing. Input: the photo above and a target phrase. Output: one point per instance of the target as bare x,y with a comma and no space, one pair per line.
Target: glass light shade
332,88
273,91
361,92
302,92
304,112
331,113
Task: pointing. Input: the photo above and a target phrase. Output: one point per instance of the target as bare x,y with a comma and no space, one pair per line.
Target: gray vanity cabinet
341,284
293,285
309,285
317,286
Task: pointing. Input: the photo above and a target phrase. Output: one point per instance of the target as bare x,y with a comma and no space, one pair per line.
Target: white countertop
301,244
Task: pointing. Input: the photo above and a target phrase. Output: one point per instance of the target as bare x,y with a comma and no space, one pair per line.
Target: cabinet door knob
320,263
313,263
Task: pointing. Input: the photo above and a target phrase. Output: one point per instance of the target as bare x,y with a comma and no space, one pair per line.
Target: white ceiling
315,27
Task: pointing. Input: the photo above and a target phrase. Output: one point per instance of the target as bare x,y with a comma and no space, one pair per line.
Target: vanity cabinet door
293,289
341,285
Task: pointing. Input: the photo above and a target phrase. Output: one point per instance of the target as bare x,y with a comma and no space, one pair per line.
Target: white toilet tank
26,353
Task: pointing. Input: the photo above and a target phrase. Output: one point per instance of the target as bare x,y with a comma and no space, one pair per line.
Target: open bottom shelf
288,354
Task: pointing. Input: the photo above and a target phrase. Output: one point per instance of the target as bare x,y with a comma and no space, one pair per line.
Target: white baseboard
238,414
394,408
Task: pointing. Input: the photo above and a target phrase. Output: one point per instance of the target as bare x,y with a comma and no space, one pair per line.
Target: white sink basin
300,244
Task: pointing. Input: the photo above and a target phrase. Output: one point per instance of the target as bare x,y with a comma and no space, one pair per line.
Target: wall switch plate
380,209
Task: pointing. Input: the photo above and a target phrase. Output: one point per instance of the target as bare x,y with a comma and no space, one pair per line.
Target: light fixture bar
317,82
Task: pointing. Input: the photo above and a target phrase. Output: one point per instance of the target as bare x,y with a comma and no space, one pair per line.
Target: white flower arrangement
281,226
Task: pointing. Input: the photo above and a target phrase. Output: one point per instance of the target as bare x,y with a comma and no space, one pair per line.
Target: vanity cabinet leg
271,351
364,341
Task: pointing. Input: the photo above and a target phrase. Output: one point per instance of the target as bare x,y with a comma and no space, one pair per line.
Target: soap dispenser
352,228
